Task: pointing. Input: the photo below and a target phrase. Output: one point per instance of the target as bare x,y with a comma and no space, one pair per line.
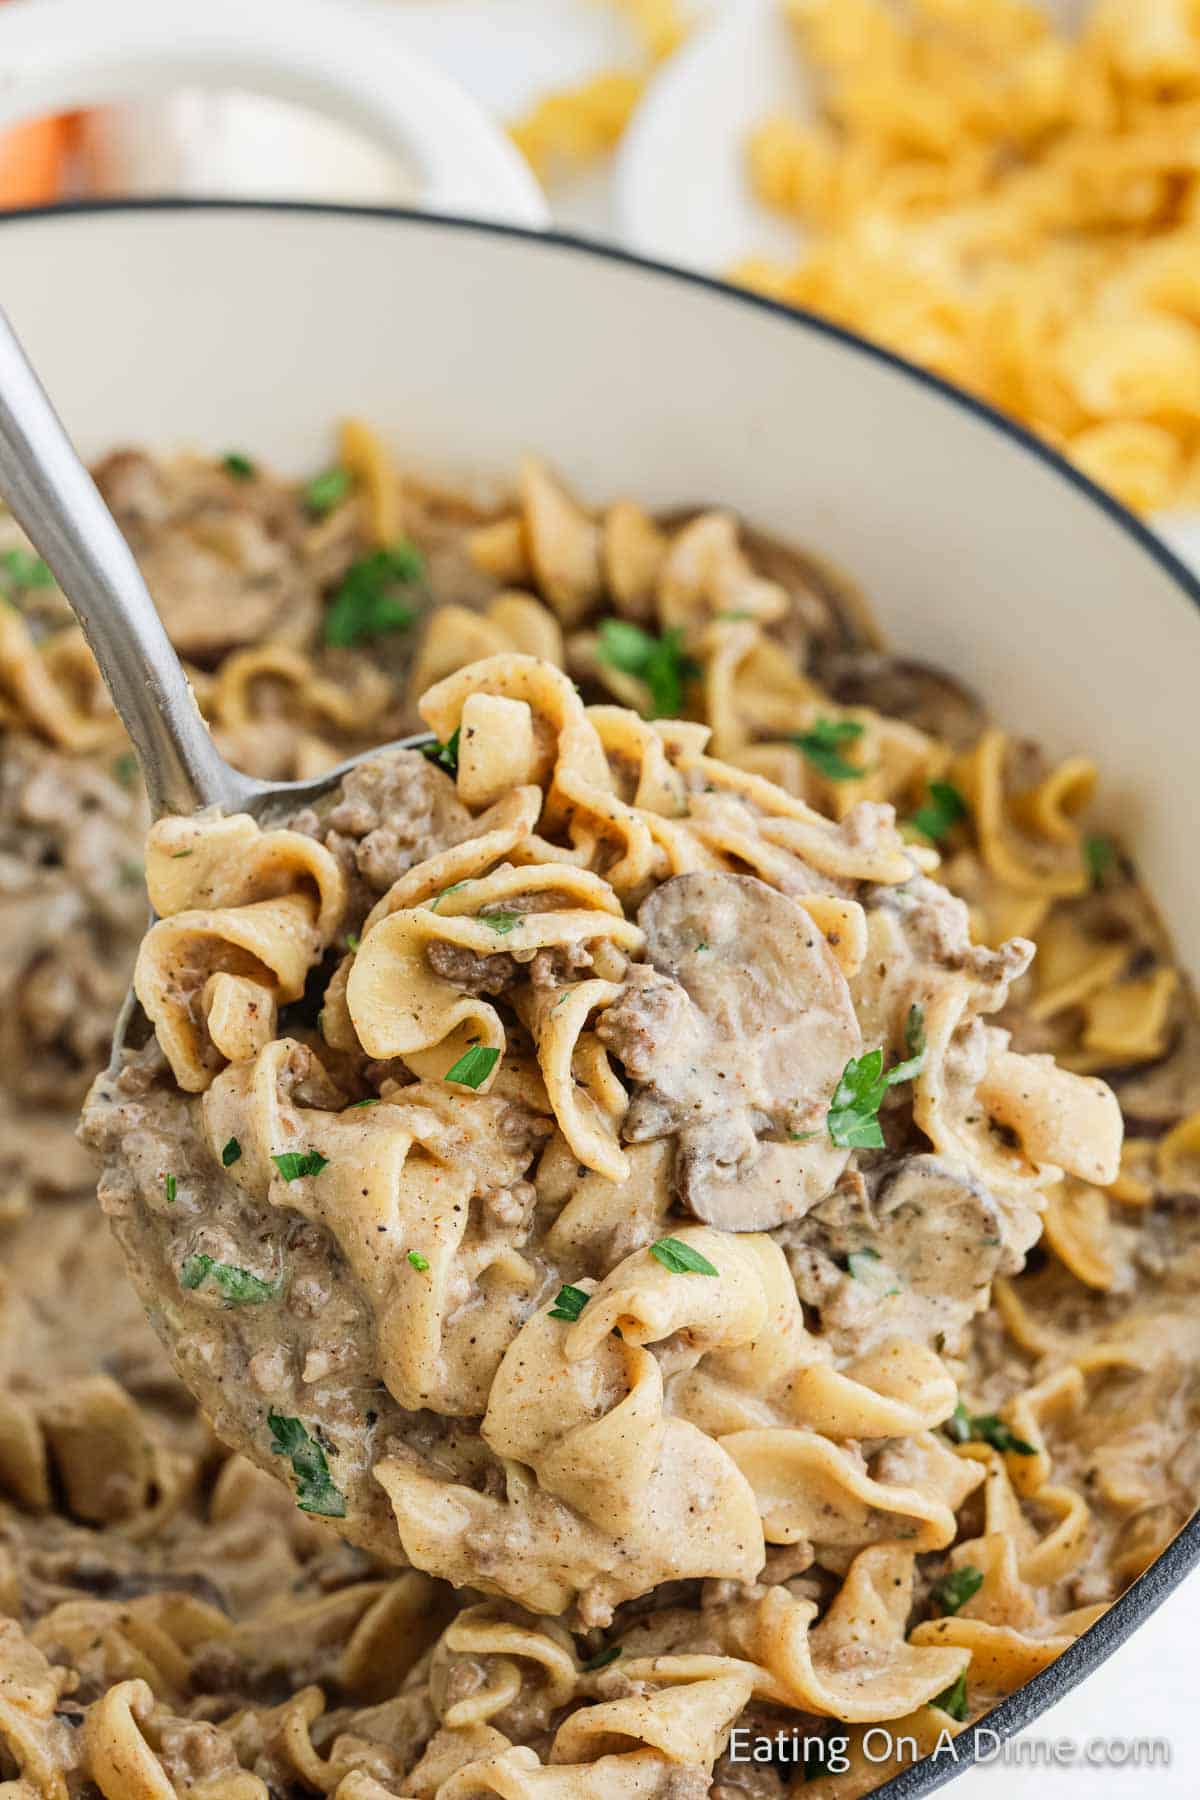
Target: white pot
259,326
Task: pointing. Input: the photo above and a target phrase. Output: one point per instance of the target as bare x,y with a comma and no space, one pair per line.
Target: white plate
681,189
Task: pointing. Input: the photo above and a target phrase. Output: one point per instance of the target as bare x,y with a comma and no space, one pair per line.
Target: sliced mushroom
927,1238
945,1234
737,1181
902,689
735,1040
828,609
215,555
1156,1096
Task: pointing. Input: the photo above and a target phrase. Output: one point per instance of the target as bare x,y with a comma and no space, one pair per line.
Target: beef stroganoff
625,1171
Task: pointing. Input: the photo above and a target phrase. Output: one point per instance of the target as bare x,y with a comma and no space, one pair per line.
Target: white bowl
256,327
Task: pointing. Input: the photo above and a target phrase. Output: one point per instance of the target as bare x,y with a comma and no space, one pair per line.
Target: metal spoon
59,507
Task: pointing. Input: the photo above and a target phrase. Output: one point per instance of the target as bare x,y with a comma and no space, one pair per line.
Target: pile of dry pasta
570,126
1012,208
1009,206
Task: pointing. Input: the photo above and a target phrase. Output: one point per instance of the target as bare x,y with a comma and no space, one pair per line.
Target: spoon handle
57,503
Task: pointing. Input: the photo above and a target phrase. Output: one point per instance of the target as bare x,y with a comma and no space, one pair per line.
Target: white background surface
506,52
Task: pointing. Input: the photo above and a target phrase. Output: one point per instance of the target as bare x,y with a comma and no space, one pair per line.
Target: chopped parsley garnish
371,1100
500,921
956,1588
1099,854
853,1119
601,1659
446,757
914,1043
452,889
21,569
125,768
569,1302
986,1428
954,1699
239,466
293,1165
867,1266
326,490
419,1262
801,1137
822,745
368,604
662,663
170,1189
680,1258
231,1153
473,1066
315,1489
958,1425
942,810
239,1286
353,942
177,854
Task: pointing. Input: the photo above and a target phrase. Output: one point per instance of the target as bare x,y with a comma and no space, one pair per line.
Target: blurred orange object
33,162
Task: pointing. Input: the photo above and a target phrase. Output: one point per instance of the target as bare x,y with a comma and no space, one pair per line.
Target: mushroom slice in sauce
905,689
926,1237
829,610
736,1038
1156,1096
